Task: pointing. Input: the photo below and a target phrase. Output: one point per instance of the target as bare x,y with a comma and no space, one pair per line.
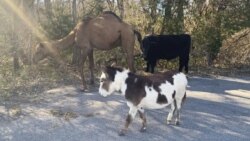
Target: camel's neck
65,42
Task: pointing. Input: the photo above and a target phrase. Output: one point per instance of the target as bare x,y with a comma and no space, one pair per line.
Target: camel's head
41,52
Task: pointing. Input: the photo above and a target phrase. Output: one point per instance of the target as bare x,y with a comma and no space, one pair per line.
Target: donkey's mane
111,71
154,79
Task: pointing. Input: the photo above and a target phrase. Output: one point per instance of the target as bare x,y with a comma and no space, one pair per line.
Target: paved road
217,109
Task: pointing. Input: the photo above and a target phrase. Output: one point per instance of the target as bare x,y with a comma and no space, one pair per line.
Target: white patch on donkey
150,101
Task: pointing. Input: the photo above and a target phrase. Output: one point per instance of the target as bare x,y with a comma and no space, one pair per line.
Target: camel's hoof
143,129
122,132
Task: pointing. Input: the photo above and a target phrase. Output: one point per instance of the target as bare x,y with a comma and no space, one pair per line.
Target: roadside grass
31,81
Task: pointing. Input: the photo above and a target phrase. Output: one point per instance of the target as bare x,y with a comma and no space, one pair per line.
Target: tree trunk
121,8
216,40
48,8
16,64
111,5
74,12
167,17
25,52
76,55
153,7
14,38
180,17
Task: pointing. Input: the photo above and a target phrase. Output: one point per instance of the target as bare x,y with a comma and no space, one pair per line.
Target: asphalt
216,109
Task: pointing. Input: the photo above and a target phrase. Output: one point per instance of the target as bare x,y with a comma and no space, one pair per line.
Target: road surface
216,109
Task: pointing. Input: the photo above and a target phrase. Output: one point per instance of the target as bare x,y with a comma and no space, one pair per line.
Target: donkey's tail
180,82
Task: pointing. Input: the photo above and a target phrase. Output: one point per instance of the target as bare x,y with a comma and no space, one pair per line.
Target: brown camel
104,32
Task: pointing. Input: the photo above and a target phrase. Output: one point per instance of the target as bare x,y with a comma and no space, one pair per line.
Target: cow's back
168,46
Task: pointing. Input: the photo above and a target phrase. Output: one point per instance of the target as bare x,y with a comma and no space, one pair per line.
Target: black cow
155,47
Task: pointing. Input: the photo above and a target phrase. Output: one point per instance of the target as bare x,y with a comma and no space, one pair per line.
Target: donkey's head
111,80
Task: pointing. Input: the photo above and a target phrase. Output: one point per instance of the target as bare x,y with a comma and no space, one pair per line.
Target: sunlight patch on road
206,96
38,113
62,90
2,110
238,80
12,111
95,104
239,92
113,103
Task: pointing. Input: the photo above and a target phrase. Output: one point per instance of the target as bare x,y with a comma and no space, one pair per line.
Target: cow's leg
186,64
131,114
181,63
144,121
171,112
152,65
148,66
91,66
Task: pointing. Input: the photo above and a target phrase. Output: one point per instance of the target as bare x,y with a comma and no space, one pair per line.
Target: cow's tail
139,37
191,47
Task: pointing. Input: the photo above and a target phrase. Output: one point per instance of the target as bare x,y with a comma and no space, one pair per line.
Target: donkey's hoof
168,122
122,132
177,123
143,129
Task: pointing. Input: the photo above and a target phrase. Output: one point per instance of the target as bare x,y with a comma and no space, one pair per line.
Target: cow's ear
113,64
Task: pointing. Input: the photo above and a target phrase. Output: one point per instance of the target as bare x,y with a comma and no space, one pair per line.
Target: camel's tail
139,38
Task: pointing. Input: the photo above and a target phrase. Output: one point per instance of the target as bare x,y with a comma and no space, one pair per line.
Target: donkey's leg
144,121
178,116
171,112
91,66
132,112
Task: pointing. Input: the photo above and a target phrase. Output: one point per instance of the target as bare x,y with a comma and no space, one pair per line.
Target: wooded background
219,29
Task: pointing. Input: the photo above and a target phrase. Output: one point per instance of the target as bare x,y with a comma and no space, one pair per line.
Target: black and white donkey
152,92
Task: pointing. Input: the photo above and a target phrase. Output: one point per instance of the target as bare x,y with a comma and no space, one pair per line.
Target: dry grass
65,115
